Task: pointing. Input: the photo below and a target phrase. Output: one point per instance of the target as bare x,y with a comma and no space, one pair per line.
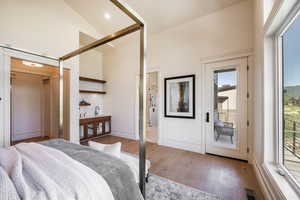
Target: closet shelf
92,92
91,79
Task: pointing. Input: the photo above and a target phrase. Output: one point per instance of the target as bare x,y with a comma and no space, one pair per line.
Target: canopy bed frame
138,26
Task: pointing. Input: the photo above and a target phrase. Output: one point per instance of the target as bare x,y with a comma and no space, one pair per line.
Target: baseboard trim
184,145
122,134
262,181
26,135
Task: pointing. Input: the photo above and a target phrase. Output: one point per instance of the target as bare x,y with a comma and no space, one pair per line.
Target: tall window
291,99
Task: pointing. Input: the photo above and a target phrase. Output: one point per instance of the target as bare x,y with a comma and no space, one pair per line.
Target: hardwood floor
225,177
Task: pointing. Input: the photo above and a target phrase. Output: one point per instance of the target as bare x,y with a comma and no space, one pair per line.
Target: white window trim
279,90
282,15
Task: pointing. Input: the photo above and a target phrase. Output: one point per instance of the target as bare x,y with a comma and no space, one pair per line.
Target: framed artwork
180,97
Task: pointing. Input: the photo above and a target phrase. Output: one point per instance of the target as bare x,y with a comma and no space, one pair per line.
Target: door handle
207,117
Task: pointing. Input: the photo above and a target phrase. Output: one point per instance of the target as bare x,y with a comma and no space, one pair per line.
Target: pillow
7,188
112,149
96,145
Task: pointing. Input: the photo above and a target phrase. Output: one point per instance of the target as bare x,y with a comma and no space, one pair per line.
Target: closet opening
35,101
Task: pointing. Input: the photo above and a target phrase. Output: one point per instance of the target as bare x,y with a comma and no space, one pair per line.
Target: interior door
226,104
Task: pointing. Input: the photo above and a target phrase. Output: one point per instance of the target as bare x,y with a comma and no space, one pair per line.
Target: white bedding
39,172
133,163
115,150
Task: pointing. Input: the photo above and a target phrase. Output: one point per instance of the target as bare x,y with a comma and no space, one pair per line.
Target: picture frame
180,97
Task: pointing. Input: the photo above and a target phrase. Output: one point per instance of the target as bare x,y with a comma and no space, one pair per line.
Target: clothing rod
109,38
28,52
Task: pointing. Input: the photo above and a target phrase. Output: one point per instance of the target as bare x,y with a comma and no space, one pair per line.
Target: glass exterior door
226,124
225,107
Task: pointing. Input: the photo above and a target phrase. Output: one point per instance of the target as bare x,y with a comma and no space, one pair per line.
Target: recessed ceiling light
107,16
31,64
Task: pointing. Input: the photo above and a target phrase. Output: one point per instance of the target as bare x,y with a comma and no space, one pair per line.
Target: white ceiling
159,15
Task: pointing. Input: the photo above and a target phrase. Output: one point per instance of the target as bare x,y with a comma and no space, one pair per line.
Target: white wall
258,80
176,51
27,106
91,66
49,27
120,71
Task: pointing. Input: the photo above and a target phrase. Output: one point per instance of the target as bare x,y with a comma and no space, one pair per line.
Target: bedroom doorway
226,112
35,101
152,107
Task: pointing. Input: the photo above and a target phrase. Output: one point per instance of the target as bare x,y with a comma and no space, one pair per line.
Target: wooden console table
95,121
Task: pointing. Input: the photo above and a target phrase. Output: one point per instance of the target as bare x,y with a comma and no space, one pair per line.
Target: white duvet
39,172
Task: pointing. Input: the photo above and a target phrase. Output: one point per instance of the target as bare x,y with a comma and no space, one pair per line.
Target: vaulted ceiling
159,14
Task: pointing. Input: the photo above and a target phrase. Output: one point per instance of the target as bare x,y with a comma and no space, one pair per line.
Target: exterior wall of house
227,109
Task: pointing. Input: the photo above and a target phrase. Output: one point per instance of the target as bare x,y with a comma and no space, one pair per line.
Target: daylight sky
227,78
291,54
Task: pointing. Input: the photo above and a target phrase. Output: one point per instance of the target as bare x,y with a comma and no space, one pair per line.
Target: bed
116,173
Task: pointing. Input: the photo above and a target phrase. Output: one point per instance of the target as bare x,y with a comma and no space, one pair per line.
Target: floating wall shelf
91,79
92,92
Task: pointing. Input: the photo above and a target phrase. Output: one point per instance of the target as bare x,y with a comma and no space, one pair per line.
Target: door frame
3,101
159,107
242,103
5,67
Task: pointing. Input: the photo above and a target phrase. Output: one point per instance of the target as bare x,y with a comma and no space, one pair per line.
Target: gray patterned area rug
159,188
